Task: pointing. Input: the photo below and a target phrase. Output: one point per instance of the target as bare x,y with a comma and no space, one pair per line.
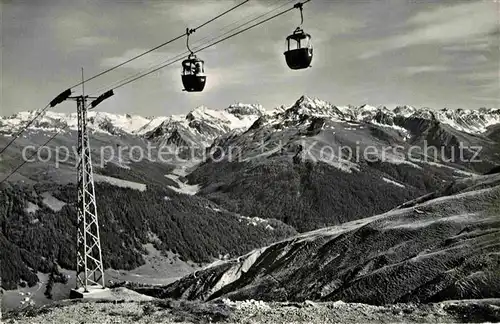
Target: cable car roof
192,60
299,34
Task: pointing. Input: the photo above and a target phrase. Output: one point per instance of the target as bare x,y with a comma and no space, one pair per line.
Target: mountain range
257,177
202,126
474,121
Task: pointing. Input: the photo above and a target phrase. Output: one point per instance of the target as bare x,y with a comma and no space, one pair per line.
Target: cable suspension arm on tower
101,98
57,100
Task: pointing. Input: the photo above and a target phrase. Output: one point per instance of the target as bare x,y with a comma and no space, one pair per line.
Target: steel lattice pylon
89,267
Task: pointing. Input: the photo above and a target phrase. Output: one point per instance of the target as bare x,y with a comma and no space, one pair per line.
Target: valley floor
225,311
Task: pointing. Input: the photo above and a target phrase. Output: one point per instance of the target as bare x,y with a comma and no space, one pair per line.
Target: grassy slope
437,249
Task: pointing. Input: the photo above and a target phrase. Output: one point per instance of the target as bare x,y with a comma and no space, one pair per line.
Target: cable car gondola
299,50
193,74
193,71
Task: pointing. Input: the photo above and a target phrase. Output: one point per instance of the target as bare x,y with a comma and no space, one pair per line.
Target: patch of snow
405,223
184,188
470,121
31,208
254,221
397,161
264,154
184,169
98,121
455,170
403,131
459,195
152,124
180,171
344,109
405,111
119,182
368,108
393,182
52,202
235,272
114,294
252,305
230,117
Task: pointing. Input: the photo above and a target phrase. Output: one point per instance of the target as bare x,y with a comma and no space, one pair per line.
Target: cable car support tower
89,266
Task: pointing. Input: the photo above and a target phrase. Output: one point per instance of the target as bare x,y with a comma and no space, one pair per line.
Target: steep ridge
202,125
437,248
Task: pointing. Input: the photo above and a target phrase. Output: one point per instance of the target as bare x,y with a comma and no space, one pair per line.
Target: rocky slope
440,247
251,311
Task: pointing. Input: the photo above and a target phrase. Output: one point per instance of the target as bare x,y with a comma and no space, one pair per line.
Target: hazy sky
422,53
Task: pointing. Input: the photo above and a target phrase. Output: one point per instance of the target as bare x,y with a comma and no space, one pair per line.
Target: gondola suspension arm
189,32
300,7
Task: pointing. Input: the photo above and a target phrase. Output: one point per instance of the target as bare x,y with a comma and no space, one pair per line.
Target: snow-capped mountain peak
367,107
405,111
206,123
471,121
98,121
241,110
202,125
233,117
474,121
311,107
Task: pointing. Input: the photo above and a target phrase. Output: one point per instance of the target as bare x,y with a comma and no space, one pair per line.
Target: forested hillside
311,195
34,233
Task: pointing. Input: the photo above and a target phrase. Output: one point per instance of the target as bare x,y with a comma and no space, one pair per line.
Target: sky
423,53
